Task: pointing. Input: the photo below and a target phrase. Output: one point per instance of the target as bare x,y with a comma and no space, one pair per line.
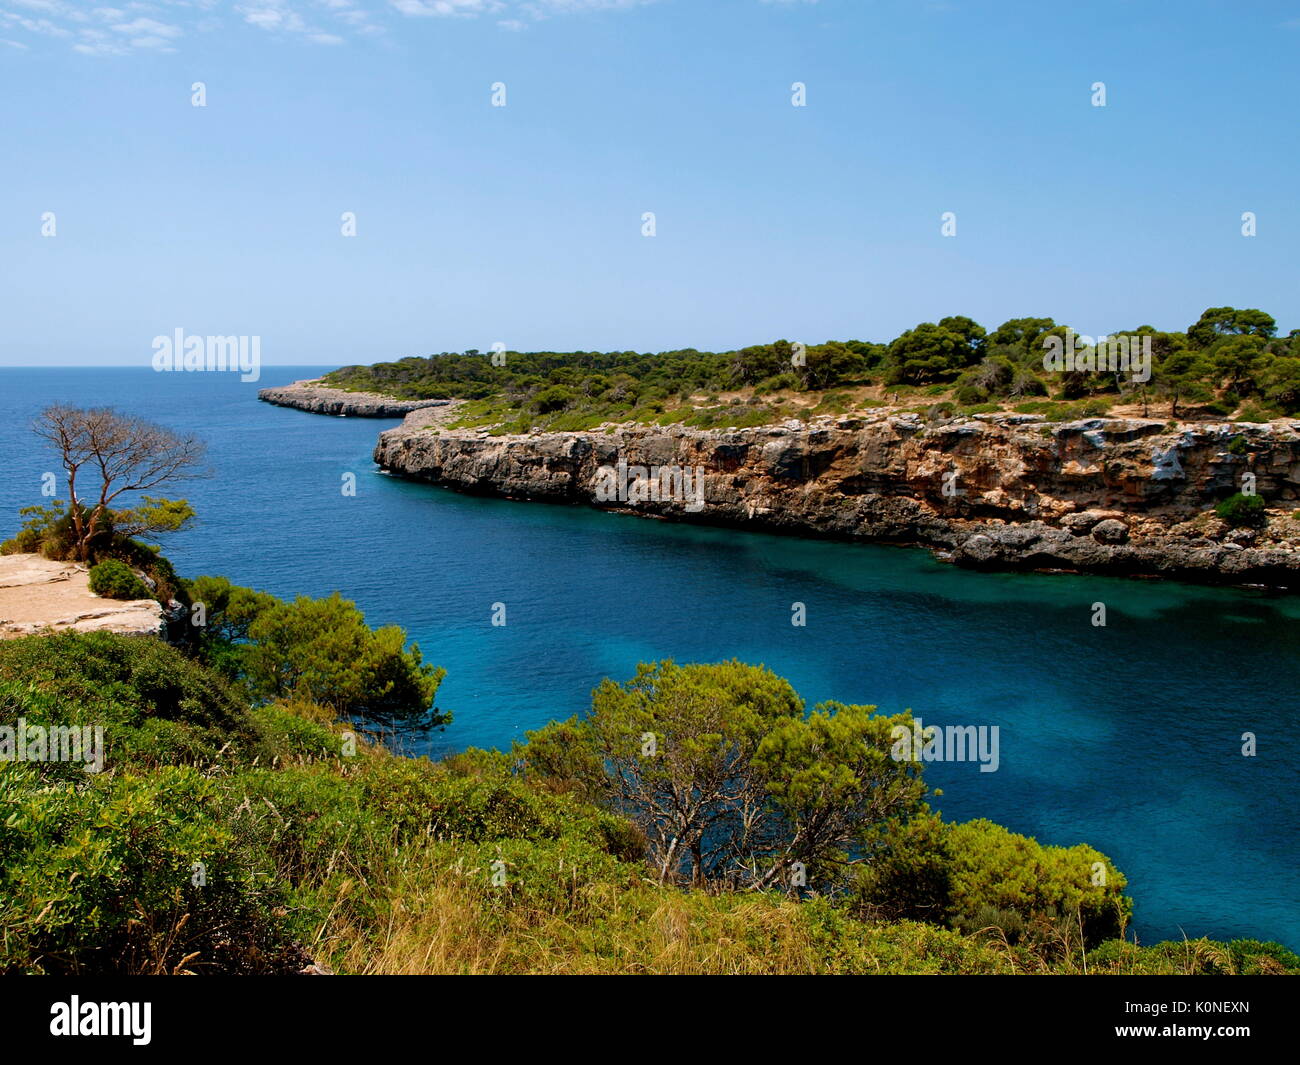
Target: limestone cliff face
1104,495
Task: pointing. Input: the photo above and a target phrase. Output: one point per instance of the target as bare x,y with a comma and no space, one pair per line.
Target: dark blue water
1127,737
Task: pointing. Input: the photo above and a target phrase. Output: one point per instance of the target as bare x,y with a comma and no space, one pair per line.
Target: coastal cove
1127,737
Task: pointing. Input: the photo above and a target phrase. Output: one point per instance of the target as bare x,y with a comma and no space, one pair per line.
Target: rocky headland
316,398
1129,497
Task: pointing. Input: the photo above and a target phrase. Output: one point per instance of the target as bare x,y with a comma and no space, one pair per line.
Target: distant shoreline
311,396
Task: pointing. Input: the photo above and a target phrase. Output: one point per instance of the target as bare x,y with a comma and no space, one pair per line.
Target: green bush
1243,511
1254,413
1250,957
38,521
777,383
997,873
285,733
1241,957
555,398
129,874
978,875
116,580
155,705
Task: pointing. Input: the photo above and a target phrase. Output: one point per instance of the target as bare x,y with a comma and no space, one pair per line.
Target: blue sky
522,224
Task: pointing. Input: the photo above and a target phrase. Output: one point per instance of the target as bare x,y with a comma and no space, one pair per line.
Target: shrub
977,875
37,523
288,733
490,862
1250,957
555,398
116,580
130,686
48,531
1242,511
910,876
1241,957
1012,882
1253,412
123,898
147,559
1239,446
776,384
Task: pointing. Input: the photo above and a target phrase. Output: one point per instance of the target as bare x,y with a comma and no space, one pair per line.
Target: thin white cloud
117,28
43,27
51,7
324,22
423,8
97,31
147,26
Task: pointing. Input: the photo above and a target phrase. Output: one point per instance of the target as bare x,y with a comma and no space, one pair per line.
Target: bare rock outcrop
37,595
316,398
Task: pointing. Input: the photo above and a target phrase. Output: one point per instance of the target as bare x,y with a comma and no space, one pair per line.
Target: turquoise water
1127,737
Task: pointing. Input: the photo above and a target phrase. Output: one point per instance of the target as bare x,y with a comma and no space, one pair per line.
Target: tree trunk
668,860
92,526
78,522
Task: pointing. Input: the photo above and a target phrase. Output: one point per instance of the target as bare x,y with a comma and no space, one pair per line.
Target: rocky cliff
315,398
1130,497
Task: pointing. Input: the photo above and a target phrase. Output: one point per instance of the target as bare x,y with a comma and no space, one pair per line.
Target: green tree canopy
321,650
934,352
1235,358
726,777
1217,322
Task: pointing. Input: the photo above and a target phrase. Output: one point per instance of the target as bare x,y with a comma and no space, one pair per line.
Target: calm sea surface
1127,737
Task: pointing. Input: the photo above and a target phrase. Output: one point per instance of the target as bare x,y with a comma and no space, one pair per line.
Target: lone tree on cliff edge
125,454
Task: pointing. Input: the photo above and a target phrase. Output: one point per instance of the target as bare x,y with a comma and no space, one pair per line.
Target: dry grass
434,922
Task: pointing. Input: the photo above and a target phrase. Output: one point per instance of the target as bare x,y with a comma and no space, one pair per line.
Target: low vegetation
116,580
232,834
1243,511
